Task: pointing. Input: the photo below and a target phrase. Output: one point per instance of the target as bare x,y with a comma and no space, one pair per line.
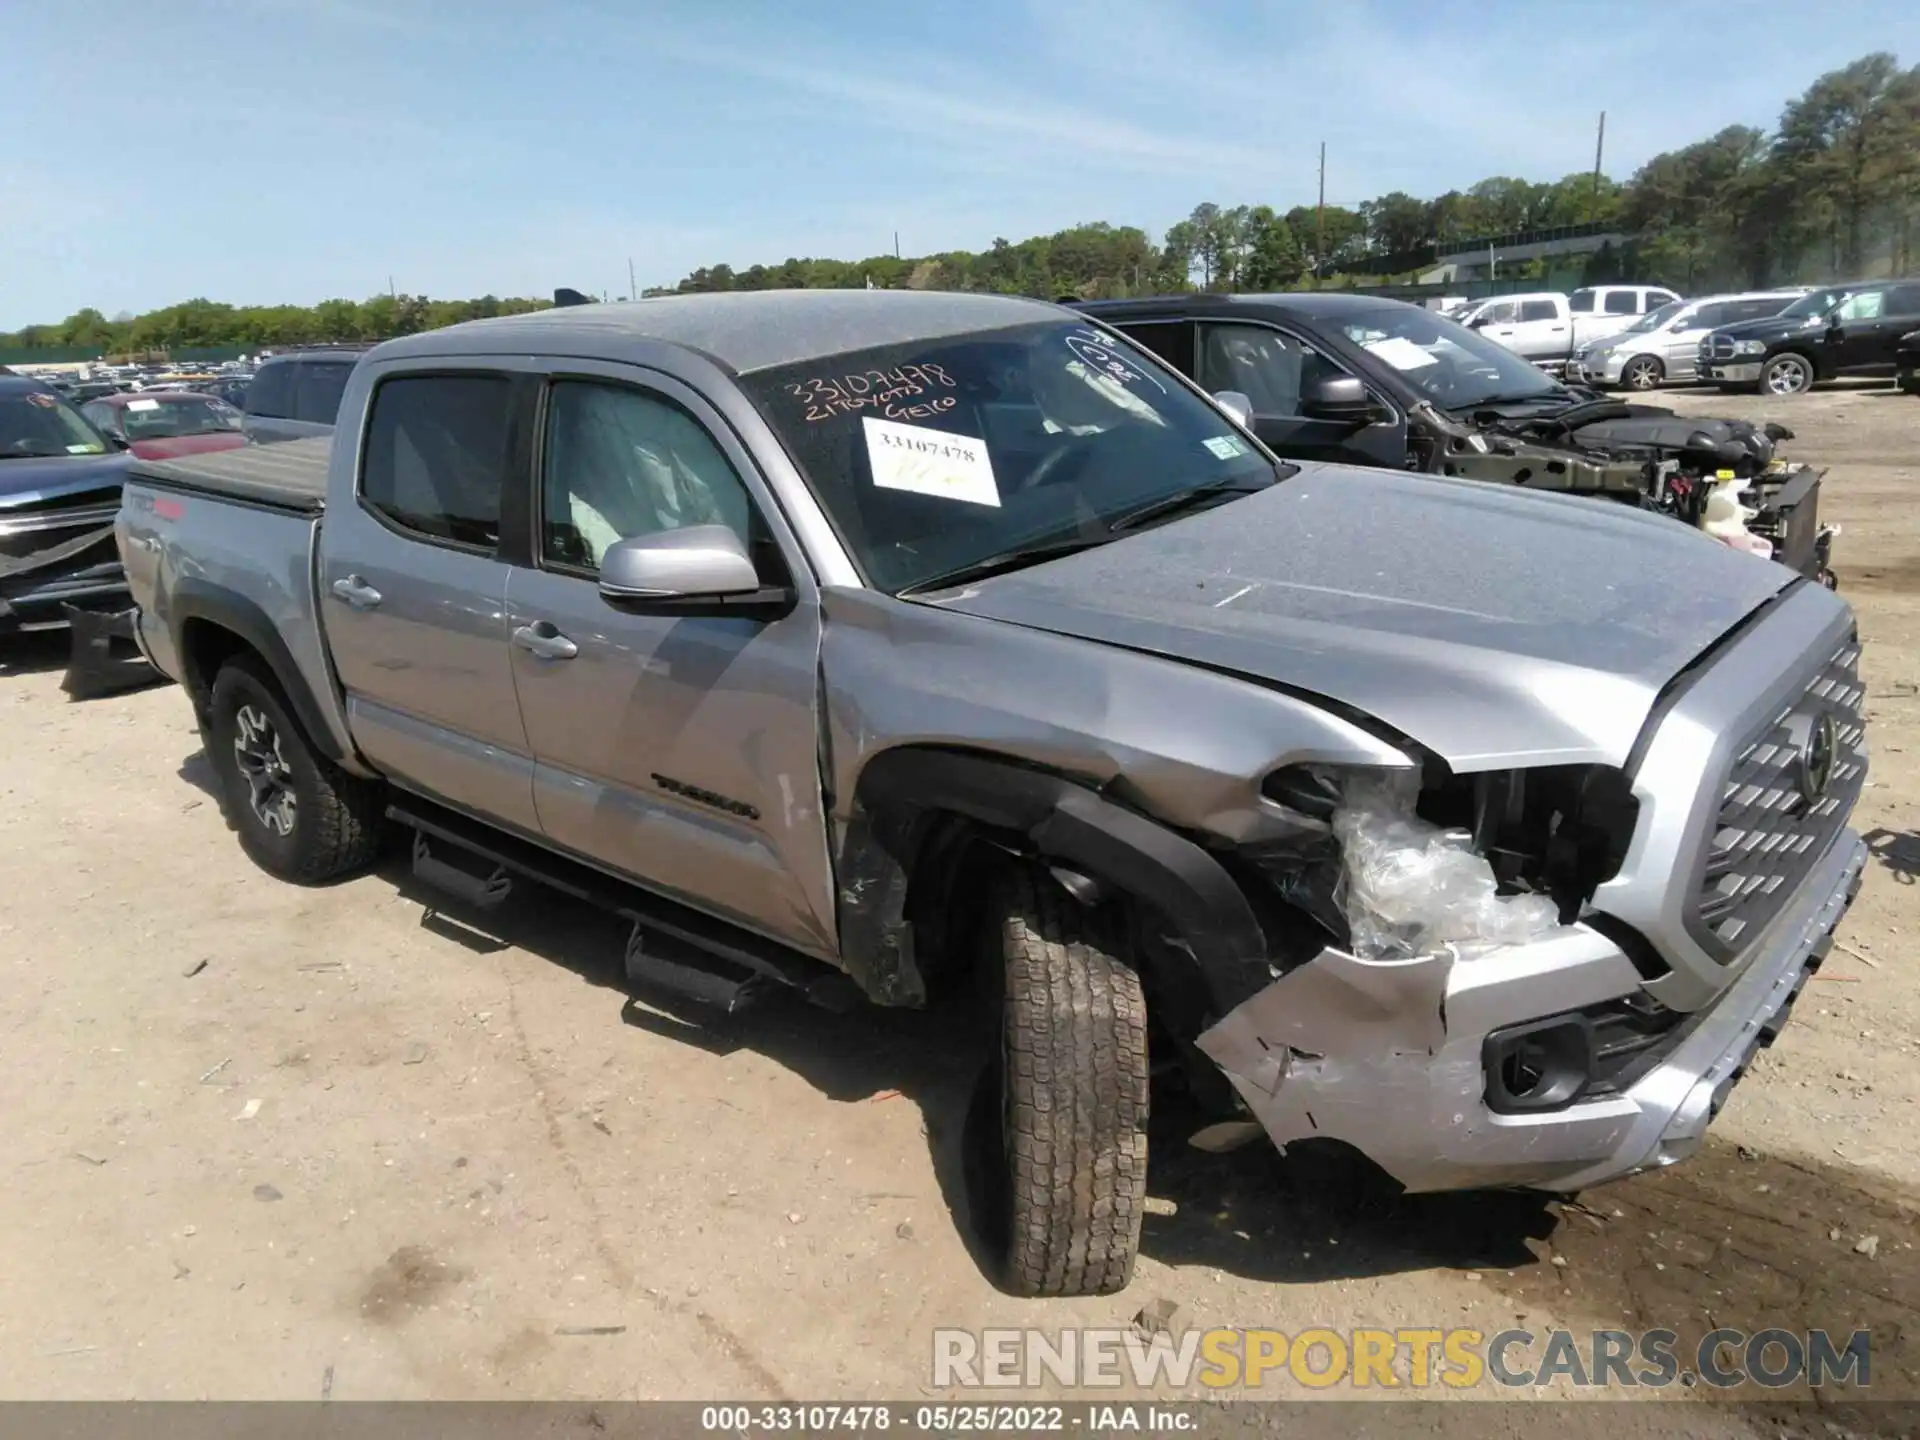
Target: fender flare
1063,821
199,600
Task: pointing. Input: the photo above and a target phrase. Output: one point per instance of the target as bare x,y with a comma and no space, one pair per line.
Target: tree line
1831,192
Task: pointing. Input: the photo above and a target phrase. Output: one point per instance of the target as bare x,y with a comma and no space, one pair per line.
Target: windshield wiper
1559,392
1183,500
1016,559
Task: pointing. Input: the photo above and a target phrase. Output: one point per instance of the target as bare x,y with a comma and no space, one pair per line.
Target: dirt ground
265,1142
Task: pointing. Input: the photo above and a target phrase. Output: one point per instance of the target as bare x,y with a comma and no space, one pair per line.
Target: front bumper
1731,372
1388,1056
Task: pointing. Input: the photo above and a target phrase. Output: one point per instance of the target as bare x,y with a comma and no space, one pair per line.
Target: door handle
545,641
356,592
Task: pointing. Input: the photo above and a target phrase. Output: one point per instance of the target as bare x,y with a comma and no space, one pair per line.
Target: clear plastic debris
1411,888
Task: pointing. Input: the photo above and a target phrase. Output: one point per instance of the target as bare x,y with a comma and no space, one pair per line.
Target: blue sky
289,150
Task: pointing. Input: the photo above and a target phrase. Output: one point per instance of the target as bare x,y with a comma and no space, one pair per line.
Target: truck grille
1775,820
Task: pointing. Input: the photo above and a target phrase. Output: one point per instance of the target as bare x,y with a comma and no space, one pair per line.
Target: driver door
1273,368
681,749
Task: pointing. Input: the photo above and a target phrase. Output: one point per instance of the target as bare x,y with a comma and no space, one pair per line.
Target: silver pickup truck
917,646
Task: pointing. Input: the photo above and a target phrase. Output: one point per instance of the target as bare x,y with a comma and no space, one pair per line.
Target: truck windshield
933,456
1451,365
35,424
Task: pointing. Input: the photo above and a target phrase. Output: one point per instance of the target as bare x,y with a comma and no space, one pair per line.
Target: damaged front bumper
1394,1057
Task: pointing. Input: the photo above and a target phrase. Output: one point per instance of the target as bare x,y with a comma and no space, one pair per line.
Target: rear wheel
1071,1064
1643,372
299,817
1787,374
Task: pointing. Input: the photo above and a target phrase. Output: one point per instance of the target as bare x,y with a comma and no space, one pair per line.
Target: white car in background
1548,327
1663,346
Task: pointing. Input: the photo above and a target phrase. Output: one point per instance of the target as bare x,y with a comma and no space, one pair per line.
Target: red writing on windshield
900,386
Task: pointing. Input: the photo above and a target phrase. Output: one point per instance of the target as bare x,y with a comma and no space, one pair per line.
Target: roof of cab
745,330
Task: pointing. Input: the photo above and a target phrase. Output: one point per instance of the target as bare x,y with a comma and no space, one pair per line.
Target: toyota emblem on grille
1817,743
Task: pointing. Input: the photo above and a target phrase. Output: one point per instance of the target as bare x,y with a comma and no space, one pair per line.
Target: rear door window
271,393
1539,310
1623,302
437,457
1581,302
316,395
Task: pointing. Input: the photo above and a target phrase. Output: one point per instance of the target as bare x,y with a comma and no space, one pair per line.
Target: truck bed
289,476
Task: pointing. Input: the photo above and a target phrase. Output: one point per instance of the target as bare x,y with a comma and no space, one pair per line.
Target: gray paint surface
1458,614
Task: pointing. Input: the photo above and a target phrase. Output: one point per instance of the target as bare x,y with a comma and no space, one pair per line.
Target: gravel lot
264,1142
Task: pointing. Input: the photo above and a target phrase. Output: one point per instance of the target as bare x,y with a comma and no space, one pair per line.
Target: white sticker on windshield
1226,447
1401,353
143,405
83,449
930,462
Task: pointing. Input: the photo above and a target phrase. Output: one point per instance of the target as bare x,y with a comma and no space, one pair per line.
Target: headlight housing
1750,347
1412,861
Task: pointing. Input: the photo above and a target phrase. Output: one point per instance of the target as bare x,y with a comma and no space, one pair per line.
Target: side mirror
1237,404
699,569
1339,398
1478,322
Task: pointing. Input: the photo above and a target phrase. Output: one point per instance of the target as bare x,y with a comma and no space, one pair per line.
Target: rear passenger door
680,749
413,579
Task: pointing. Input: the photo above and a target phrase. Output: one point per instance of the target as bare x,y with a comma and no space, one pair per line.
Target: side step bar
673,947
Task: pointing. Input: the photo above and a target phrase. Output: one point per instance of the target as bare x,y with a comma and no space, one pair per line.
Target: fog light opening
1542,1065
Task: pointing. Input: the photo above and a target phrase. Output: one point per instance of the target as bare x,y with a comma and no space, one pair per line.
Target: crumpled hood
26,480
1493,626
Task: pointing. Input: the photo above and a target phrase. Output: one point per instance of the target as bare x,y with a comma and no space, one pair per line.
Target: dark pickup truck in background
1370,381
1836,331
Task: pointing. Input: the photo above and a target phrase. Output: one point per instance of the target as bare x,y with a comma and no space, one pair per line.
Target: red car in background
166,424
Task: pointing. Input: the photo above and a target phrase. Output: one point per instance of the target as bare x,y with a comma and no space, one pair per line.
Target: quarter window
436,456
622,463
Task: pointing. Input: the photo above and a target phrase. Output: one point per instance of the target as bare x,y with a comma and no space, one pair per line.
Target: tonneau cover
291,475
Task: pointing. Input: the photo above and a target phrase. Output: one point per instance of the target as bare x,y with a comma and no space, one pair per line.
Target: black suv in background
1837,330
297,393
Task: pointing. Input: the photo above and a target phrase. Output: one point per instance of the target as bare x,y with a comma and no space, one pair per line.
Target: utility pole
1599,148
1320,214
633,290
391,293
896,244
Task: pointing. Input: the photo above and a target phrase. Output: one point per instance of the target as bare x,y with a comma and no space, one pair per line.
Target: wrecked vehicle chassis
1409,812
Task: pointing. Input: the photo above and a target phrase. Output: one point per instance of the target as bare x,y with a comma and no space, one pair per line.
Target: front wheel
299,817
1072,1071
1787,374
1643,372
